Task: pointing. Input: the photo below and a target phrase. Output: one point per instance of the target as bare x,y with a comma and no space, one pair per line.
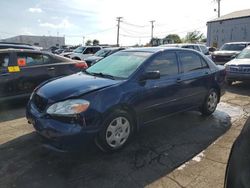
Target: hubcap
212,101
118,132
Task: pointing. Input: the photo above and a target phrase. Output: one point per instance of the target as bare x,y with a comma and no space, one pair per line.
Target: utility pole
152,29
119,19
218,11
218,8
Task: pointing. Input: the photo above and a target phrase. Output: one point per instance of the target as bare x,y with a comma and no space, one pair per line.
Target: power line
132,36
134,25
129,32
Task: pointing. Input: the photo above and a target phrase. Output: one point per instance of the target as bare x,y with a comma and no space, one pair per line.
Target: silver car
238,69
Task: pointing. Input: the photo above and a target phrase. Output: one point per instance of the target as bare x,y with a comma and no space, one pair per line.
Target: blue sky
96,19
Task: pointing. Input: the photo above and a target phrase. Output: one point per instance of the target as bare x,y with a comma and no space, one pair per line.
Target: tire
210,103
117,130
229,82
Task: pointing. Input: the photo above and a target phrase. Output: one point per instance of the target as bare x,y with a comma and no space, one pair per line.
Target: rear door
194,78
58,66
33,71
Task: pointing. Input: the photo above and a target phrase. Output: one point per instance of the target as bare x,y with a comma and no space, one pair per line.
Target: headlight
68,107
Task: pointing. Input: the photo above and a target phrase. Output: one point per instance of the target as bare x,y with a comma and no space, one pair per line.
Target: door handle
51,68
5,74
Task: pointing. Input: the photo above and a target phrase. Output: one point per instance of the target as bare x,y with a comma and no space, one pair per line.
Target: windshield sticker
21,62
14,69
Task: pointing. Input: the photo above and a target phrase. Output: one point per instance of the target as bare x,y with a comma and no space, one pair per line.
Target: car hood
239,62
66,53
73,86
93,58
225,53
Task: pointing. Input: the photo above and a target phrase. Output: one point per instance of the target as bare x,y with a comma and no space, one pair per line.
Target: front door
160,97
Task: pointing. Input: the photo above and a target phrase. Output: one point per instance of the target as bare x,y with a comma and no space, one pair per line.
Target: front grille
221,58
240,69
40,102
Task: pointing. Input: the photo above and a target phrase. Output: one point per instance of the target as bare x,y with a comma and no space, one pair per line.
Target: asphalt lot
152,154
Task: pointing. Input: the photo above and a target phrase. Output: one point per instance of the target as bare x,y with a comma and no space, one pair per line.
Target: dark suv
22,70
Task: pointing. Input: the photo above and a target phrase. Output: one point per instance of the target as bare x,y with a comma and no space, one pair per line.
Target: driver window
166,63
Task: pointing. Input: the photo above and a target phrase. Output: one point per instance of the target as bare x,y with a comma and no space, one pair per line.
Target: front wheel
210,103
118,127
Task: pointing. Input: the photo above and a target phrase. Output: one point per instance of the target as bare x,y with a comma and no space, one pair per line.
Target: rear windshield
233,47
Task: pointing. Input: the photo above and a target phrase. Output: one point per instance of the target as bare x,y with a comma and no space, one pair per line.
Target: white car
82,52
238,69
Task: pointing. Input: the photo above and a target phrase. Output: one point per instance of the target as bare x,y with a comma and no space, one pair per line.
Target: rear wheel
118,128
210,103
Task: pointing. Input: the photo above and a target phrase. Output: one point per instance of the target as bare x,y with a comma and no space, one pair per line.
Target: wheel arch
128,109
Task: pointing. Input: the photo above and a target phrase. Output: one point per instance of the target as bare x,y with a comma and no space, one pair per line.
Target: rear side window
32,59
191,61
4,60
91,50
166,63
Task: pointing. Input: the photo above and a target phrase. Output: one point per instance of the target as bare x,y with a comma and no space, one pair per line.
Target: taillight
81,65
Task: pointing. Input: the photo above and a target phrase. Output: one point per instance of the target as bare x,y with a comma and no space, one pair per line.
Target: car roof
157,49
114,48
145,49
237,43
183,44
8,50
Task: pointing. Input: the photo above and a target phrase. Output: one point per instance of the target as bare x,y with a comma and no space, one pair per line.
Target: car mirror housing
151,75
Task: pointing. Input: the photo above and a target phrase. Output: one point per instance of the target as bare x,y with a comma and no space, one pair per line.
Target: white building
41,41
233,27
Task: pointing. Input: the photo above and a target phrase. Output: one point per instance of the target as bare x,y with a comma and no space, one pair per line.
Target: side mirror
152,75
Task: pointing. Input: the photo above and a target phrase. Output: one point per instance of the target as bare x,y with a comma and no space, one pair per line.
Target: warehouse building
233,27
42,41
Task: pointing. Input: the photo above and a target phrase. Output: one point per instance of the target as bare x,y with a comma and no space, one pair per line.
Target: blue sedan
120,94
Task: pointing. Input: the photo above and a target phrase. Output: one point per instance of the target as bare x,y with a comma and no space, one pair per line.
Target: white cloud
63,24
35,10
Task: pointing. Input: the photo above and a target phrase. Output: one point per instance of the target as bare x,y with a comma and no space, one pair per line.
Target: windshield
102,53
79,49
233,47
119,65
245,54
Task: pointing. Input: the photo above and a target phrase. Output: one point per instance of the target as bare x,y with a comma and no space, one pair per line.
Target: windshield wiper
100,74
103,75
